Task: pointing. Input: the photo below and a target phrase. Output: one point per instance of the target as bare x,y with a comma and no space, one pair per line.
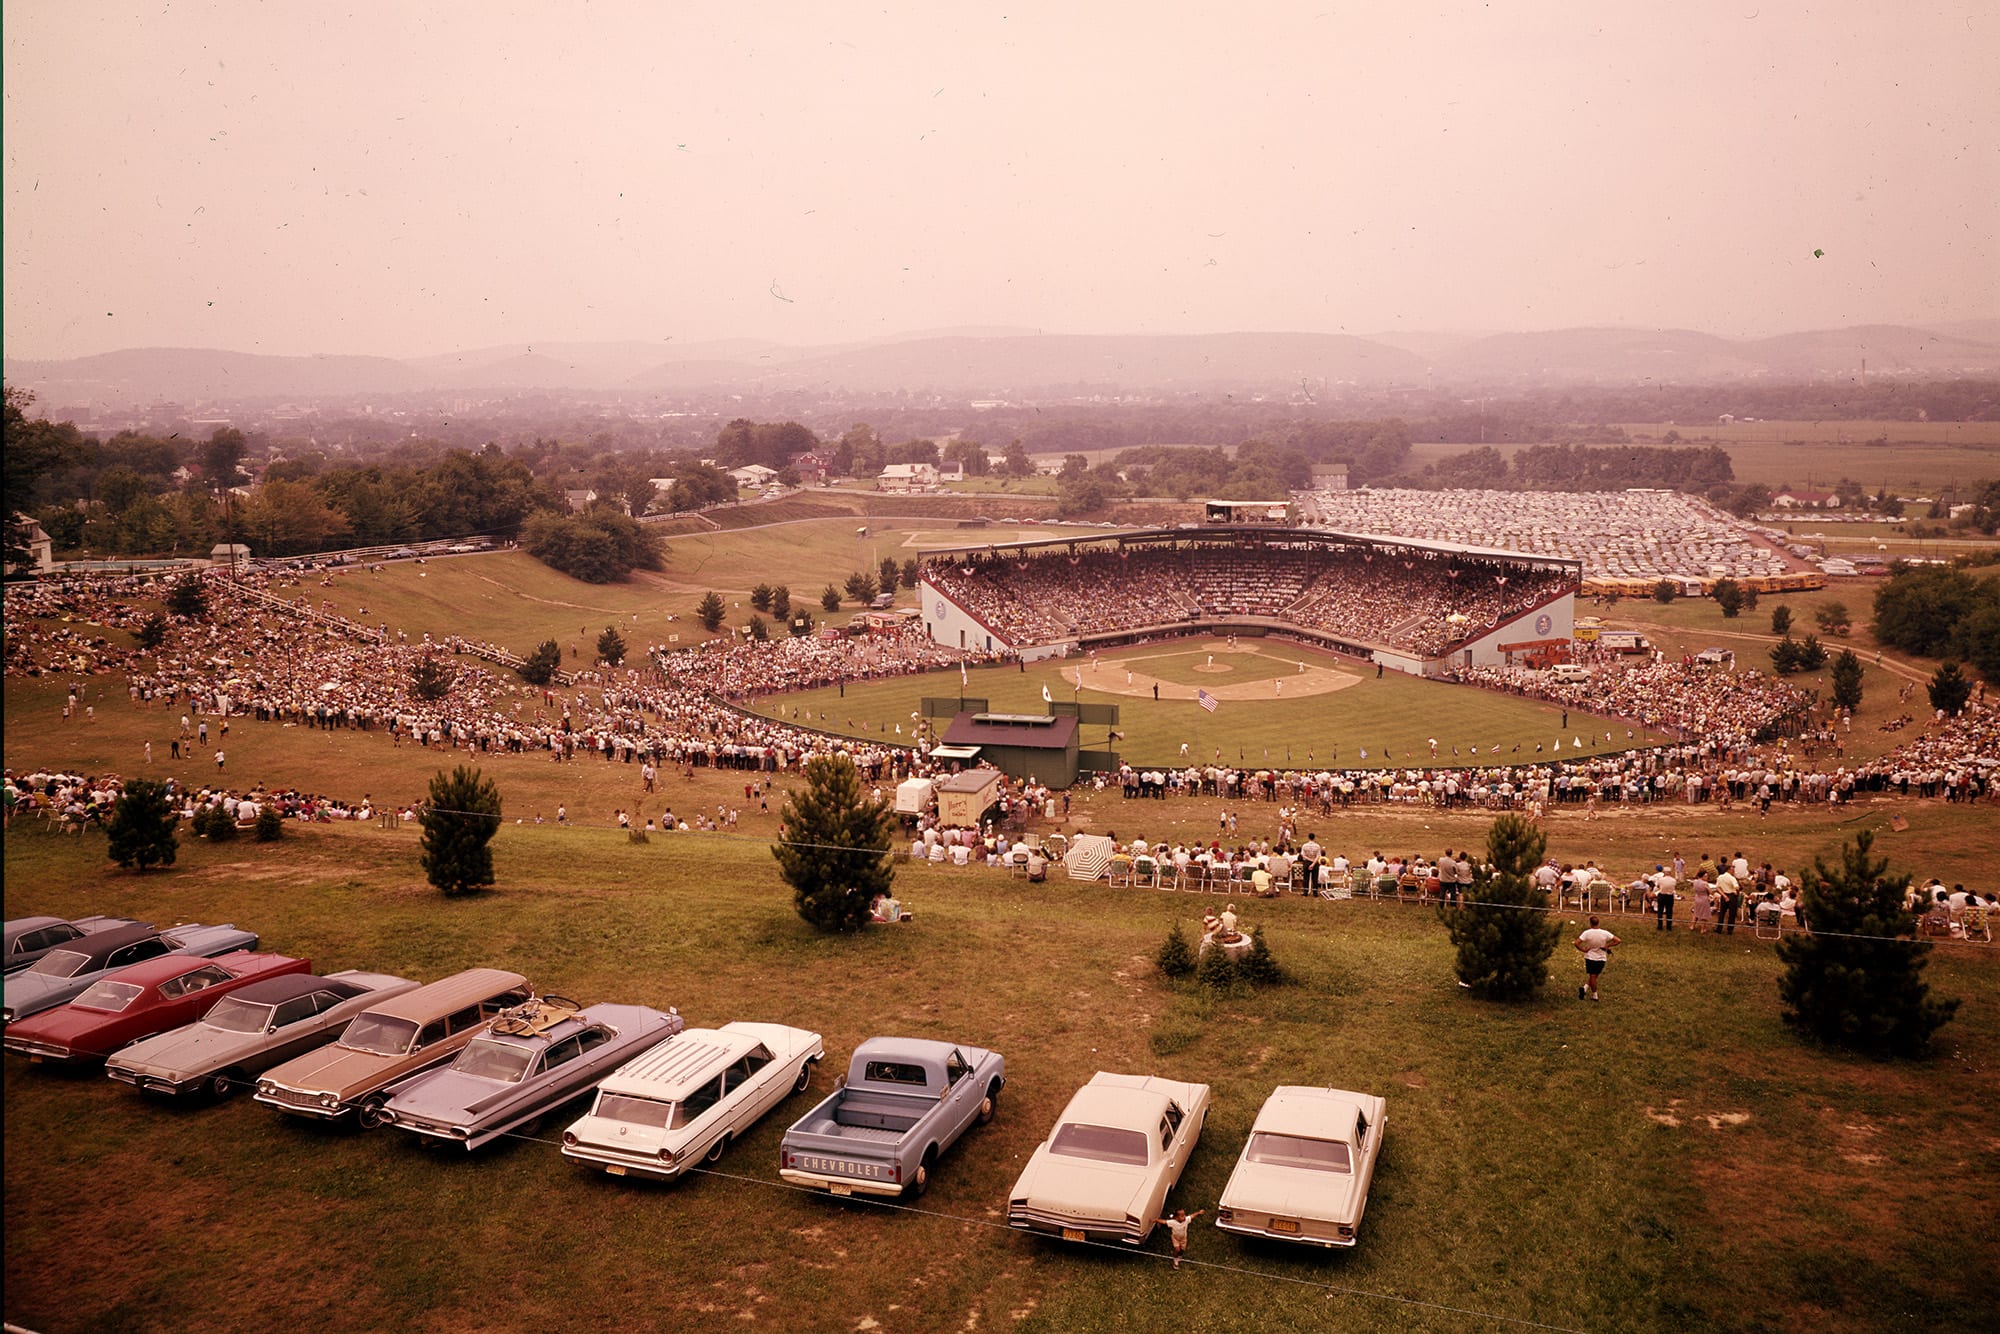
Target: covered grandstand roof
1265,535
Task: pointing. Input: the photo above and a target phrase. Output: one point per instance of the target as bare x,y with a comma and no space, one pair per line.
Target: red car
139,1001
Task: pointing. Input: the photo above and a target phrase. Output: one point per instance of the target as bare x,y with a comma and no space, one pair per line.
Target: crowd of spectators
1402,600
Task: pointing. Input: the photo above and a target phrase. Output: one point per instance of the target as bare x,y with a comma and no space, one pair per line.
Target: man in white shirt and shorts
1595,944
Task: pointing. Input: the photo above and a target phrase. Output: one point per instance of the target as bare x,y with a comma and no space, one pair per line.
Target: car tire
990,1103
805,1078
920,1181
369,1116
716,1150
219,1086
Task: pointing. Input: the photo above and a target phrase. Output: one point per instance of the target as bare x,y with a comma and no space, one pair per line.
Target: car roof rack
536,1015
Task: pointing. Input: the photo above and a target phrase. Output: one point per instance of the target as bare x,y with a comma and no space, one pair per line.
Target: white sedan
1117,1149
1305,1173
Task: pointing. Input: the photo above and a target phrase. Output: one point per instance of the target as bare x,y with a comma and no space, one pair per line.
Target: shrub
459,821
1259,969
1665,591
1175,957
836,853
597,546
1217,971
270,825
431,677
1503,938
1847,680
539,667
141,831
1856,978
1949,689
221,826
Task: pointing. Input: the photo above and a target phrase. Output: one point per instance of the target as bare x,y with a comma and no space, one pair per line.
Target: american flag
1206,700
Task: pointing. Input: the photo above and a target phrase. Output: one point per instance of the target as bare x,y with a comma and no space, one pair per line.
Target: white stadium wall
1549,627
952,626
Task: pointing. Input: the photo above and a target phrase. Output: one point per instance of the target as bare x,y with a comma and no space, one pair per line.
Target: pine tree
1781,619
836,853
1216,971
1855,979
431,677
781,603
611,646
1949,689
1502,933
760,597
459,821
152,632
270,824
829,598
710,610
1847,680
1175,957
1259,969
539,667
1728,596
188,599
142,826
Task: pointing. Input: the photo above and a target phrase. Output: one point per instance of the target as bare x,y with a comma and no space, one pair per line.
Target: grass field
1393,717
1670,1159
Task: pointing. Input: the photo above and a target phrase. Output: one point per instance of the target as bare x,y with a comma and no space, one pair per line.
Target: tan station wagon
386,1045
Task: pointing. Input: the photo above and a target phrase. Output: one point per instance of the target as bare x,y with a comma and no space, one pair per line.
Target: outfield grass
1393,716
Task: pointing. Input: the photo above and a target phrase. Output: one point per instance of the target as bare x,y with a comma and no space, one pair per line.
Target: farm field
1921,456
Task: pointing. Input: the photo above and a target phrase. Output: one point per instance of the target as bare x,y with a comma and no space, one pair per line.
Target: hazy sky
408,178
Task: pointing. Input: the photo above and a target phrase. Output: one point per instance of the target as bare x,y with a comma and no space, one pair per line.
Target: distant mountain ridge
1013,364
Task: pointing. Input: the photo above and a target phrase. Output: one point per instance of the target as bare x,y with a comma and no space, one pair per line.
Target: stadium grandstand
1422,607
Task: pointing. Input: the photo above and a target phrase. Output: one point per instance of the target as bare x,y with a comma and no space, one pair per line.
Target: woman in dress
1704,907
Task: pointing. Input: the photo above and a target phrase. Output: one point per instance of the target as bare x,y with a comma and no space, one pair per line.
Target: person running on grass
1595,944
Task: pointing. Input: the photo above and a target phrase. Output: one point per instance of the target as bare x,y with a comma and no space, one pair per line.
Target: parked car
63,974
690,1097
29,938
1715,657
389,1042
139,1001
251,1030
904,1103
1305,1172
1117,1149
533,1057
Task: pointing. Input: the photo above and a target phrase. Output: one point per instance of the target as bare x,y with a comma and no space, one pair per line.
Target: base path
1273,673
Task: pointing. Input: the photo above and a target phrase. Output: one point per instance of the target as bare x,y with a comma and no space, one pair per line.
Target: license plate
1072,1234
1283,1225
839,1189
615,1169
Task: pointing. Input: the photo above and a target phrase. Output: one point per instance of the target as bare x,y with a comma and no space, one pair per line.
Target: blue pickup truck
905,1101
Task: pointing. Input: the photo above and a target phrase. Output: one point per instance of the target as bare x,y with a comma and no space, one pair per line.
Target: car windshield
380,1034
491,1059
636,1111
1315,1155
108,995
59,963
238,1016
1104,1144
